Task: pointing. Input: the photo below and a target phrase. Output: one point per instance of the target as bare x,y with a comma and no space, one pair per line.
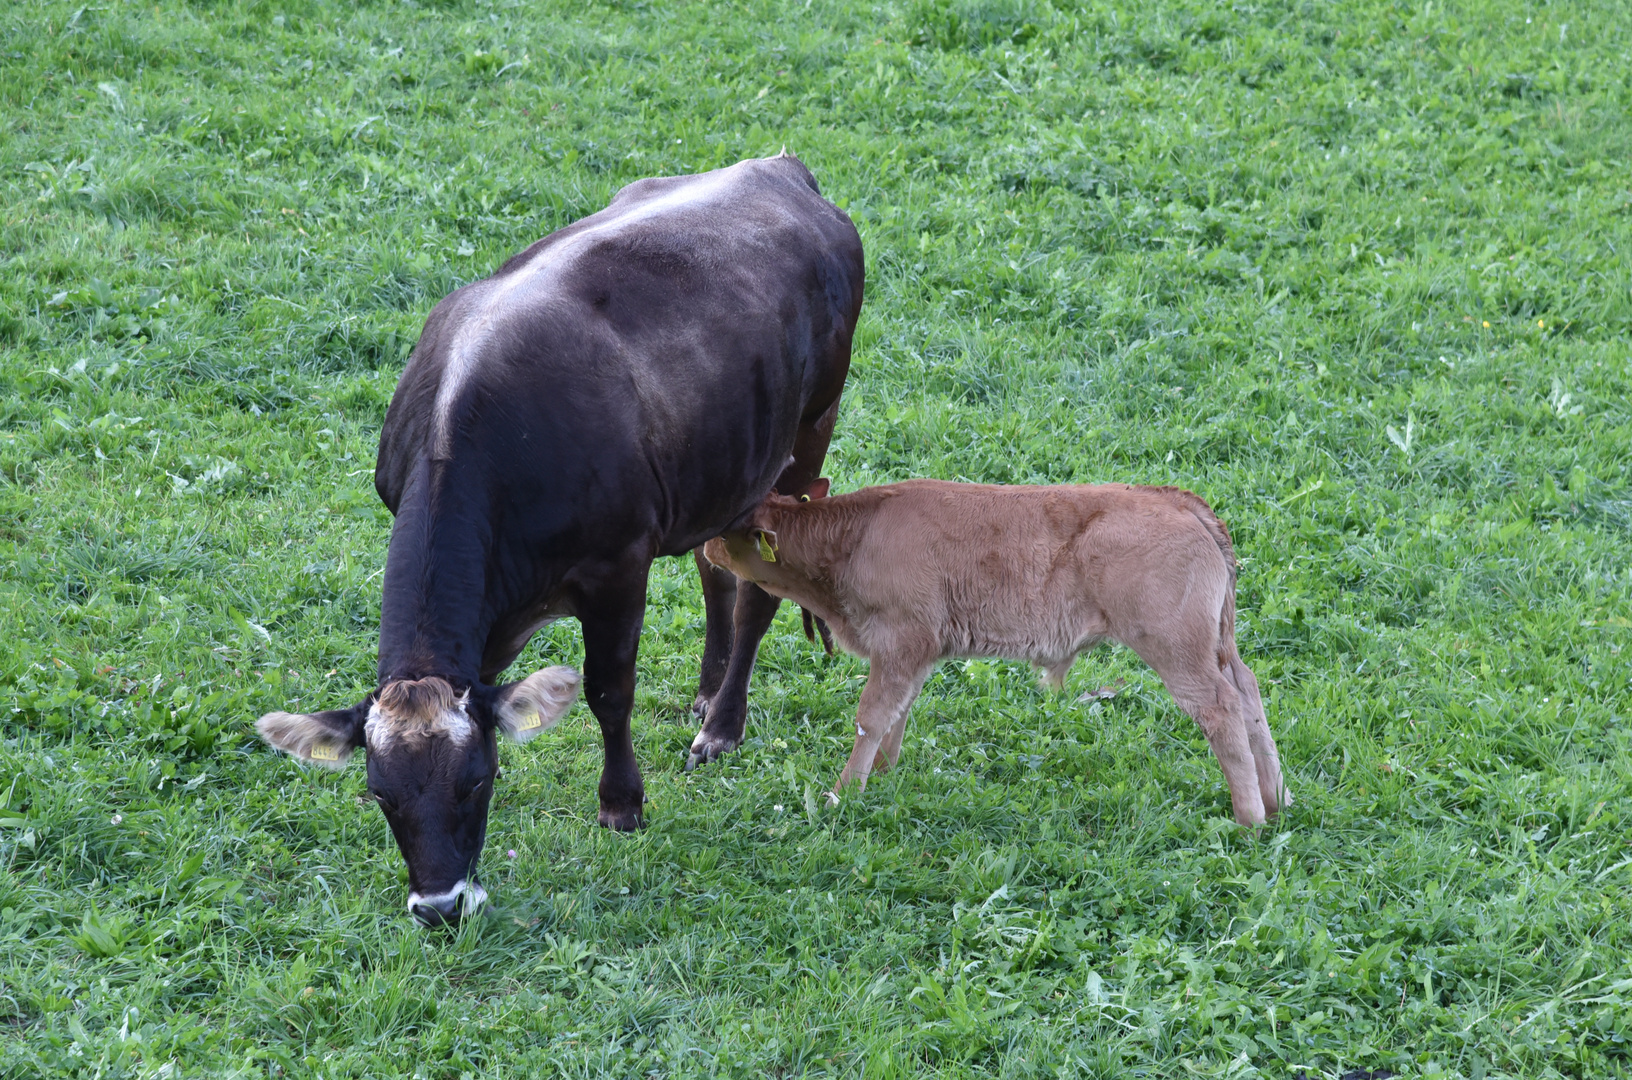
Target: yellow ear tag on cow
534,722
766,551
325,752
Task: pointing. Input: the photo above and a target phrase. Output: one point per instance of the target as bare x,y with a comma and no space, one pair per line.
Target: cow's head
432,756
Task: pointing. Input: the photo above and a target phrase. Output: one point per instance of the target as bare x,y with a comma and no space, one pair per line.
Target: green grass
1360,273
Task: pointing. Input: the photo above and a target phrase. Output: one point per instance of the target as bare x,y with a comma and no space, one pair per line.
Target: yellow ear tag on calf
766,551
325,752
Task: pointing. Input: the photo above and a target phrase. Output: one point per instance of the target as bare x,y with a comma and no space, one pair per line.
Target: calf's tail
814,623
1226,616
1221,536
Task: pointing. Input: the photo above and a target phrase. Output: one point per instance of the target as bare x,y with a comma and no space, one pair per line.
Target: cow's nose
447,908
437,911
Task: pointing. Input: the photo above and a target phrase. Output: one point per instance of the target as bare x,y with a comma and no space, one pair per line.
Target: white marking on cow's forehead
382,730
465,352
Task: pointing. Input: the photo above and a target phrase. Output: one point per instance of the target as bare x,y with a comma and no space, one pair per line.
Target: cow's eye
475,789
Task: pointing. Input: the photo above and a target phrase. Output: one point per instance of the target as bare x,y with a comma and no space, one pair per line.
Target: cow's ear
527,707
325,738
819,488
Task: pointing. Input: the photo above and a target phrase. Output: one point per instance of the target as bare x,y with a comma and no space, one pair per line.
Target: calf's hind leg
1271,784
1192,673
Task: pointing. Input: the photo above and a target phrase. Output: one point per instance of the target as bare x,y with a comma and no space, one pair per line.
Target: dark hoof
707,747
620,820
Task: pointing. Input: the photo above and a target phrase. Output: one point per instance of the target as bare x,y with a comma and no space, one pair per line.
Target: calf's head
750,550
432,753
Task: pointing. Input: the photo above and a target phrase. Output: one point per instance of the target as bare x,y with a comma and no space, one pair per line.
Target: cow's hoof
706,747
699,707
620,820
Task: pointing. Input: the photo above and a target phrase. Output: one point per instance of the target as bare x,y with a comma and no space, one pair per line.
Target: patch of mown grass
1355,273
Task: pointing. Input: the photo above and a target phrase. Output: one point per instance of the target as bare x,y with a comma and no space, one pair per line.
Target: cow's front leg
611,617
727,716
719,604
727,712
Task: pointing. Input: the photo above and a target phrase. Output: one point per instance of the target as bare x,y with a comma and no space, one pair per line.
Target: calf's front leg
892,686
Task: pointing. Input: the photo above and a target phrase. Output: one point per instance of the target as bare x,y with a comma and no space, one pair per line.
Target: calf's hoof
1250,817
707,747
620,820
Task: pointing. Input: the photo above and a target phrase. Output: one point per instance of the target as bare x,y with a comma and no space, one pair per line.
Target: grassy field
1359,272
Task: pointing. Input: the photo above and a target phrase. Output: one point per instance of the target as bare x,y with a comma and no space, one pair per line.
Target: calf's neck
908,574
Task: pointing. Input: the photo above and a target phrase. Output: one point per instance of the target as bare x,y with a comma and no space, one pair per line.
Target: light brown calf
908,574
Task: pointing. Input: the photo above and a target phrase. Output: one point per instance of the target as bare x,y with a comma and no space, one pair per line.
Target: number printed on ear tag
533,721
325,751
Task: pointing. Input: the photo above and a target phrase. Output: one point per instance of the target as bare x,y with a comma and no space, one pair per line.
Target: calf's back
1022,572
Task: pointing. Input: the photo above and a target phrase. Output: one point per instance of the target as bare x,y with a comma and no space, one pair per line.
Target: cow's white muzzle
447,908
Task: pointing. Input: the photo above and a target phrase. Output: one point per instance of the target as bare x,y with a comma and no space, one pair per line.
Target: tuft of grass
1355,273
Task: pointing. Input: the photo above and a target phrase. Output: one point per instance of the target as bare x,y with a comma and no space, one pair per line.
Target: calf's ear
325,738
527,707
715,552
817,489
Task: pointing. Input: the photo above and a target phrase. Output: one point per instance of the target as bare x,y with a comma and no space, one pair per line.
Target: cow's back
648,364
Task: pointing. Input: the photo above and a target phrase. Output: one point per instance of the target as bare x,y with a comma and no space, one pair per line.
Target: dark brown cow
907,574
625,388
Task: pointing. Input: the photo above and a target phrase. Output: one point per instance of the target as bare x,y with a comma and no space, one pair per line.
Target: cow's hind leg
719,604
1194,674
611,616
727,711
